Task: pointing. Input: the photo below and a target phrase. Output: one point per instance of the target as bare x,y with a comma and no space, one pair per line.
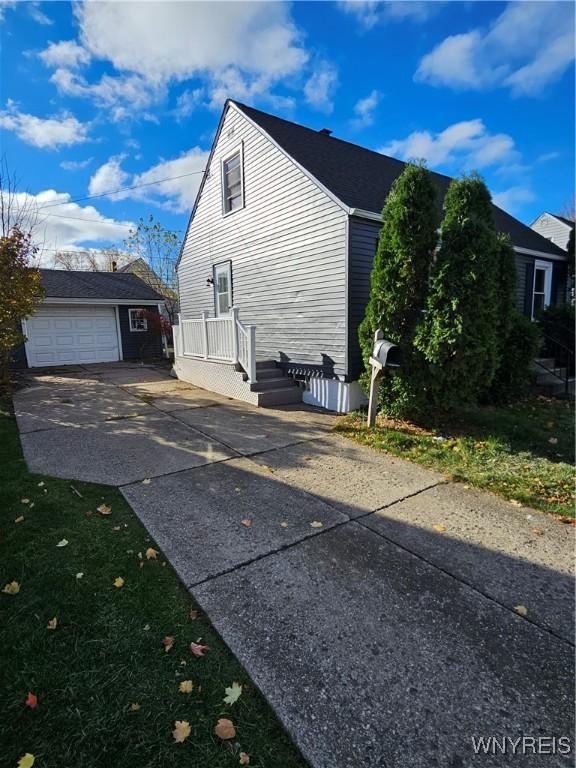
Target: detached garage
91,317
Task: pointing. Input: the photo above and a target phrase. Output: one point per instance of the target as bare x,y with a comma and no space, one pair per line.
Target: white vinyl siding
552,229
232,183
287,247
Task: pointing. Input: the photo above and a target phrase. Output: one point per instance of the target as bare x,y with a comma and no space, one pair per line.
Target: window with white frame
137,320
542,287
232,183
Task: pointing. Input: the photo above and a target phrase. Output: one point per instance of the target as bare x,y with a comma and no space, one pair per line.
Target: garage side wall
138,344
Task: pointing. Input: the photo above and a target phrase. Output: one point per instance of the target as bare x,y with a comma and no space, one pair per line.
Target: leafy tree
20,293
399,282
459,336
513,376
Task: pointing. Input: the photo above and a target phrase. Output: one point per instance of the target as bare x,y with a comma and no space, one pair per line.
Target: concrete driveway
379,638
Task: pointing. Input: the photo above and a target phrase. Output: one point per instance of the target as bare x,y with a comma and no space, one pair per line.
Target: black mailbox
385,354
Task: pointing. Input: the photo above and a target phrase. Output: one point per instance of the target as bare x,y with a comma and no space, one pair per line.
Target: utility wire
96,221
122,189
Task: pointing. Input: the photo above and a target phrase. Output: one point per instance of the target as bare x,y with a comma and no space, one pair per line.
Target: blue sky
103,95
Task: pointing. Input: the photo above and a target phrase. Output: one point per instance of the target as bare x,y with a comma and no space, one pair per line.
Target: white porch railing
224,339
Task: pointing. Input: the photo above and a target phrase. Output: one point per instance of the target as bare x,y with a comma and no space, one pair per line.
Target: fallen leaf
146,481
40,485
316,524
516,503
193,614
146,627
19,519
116,528
197,649
12,588
181,730
27,761
224,729
247,522
31,505
89,513
553,441
134,707
521,610
168,642
537,531
284,524
62,543
244,758
32,701
267,468
104,509
233,693
25,501
52,624
79,575
438,527
151,553
118,582
186,686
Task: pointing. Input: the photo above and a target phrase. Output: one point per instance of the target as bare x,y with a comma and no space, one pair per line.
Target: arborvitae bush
459,335
399,284
513,377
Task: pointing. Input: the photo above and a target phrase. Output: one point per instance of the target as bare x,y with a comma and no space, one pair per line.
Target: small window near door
232,183
542,288
137,320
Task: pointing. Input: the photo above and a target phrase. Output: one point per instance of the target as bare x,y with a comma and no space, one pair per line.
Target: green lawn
524,452
106,653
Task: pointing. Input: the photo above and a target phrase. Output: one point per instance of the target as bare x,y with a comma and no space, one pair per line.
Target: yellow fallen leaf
316,524
168,642
181,730
62,543
26,761
247,522
134,707
151,553
118,582
521,610
537,531
104,509
233,693
224,729
515,502
267,468
25,501
186,686
12,589
146,481
52,624
19,519
438,527
244,758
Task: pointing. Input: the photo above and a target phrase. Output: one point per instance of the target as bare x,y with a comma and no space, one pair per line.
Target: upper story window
137,320
232,183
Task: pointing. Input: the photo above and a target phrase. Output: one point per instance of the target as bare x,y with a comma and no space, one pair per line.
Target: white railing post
178,338
234,318
205,333
252,353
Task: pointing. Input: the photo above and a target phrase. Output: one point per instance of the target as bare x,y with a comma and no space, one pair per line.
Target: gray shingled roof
68,284
361,178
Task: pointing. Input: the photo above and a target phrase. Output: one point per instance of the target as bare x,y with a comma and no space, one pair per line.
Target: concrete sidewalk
371,601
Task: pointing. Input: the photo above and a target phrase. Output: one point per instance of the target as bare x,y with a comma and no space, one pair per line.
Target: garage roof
69,284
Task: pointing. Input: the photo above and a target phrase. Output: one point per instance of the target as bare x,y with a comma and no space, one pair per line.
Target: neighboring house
554,228
90,317
145,272
284,229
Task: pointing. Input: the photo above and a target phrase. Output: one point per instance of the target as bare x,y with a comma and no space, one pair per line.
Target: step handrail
557,351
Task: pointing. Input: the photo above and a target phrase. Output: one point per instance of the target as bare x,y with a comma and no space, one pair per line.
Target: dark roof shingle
361,178
68,284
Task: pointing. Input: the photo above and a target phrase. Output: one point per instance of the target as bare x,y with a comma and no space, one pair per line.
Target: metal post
374,386
205,333
234,318
252,353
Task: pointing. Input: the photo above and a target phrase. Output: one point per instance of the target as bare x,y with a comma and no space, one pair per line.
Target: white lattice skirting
222,378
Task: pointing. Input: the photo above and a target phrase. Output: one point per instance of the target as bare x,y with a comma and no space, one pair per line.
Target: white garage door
64,335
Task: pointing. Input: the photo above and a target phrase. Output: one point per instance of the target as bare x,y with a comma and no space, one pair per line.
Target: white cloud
75,165
514,198
4,6
364,109
45,133
527,47
319,88
38,15
468,144
188,101
67,226
177,193
66,53
108,177
371,12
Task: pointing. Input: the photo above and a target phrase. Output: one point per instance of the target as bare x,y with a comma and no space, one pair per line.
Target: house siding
552,229
137,344
363,244
287,246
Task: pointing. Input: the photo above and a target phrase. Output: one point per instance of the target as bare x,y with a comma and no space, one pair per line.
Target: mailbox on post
385,354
